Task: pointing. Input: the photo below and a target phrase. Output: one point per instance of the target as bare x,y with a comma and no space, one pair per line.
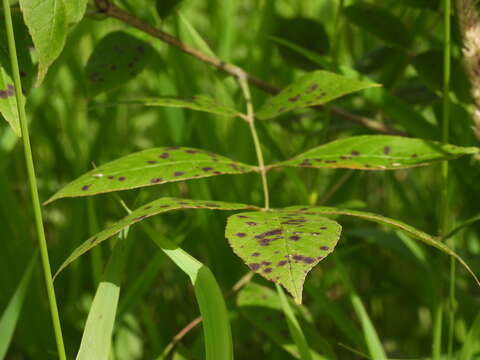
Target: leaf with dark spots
415,233
286,254
145,211
315,88
262,307
138,170
117,58
199,103
377,152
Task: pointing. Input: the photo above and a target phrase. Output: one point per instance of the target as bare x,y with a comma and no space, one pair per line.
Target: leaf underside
151,167
153,208
282,246
377,152
315,88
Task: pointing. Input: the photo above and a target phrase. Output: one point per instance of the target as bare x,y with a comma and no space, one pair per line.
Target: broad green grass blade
216,324
116,59
417,234
294,326
377,152
153,208
9,318
315,88
198,102
151,167
374,345
97,334
48,25
262,307
471,346
282,247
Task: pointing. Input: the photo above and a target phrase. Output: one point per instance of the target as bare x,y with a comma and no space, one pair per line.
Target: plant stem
445,213
250,118
33,183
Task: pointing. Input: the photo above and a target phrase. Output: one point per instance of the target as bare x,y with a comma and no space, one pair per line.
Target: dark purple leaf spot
282,263
324,248
267,270
178,173
191,151
251,223
241,234
308,260
155,180
217,172
294,237
110,177
386,150
323,228
242,216
294,98
312,88
206,169
254,266
121,178
266,263
152,162
269,233
330,161
147,207
164,155
255,254
355,153
85,187
414,156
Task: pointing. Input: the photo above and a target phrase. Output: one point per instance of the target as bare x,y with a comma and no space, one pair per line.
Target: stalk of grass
32,181
445,213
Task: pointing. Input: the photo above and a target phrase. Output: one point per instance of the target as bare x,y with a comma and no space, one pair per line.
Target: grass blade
10,316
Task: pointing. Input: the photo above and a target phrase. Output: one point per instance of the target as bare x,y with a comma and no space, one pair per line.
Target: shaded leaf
282,247
315,88
117,58
304,32
47,22
153,208
262,307
430,70
151,167
8,101
417,234
166,7
377,152
97,334
423,4
379,22
198,102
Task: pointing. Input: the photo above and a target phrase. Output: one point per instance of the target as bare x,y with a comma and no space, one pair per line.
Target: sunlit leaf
47,23
379,22
377,152
282,247
417,234
76,10
198,102
315,88
116,59
153,208
262,307
151,167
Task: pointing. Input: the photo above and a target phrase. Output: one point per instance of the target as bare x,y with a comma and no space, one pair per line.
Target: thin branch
110,10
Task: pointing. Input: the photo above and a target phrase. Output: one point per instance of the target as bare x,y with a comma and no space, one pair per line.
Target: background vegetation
403,285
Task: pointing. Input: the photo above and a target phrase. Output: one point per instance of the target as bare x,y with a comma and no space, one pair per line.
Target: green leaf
11,314
471,346
47,22
151,167
166,7
153,208
8,101
377,152
282,247
97,334
423,4
379,22
304,32
117,58
76,10
198,103
263,308
315,88
430,70
417,234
